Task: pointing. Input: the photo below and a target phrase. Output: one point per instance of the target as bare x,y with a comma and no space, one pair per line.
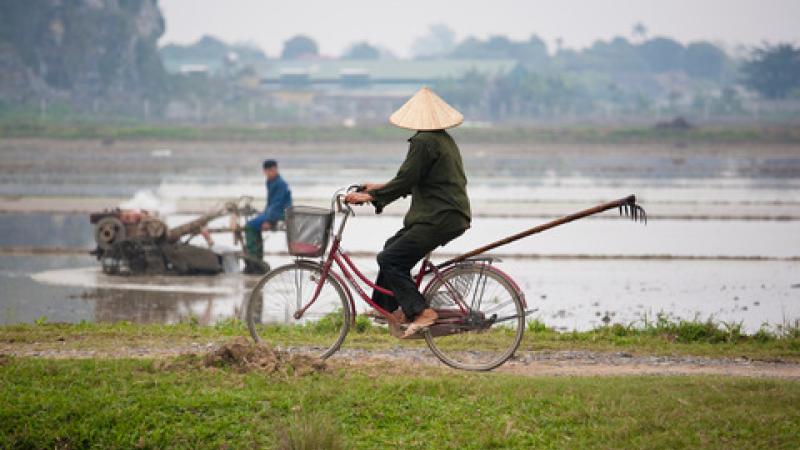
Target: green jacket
433,174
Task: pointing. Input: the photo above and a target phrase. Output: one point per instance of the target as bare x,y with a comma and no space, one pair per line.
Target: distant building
365,89
194,69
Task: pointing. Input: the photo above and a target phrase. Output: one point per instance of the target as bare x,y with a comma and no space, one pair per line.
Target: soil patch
244,355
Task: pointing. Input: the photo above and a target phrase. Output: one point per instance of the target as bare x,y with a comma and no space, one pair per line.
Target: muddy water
45,230
750,239
24,300
585,238
68,288
568,294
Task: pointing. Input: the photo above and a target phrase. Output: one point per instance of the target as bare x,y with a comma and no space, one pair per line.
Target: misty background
351,63
397,25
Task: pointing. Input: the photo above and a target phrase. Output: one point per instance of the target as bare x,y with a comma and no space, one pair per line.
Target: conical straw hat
426,111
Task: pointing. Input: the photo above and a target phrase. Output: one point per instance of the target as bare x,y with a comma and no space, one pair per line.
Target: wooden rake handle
626,205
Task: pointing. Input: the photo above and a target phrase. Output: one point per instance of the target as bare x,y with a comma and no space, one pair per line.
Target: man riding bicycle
433,174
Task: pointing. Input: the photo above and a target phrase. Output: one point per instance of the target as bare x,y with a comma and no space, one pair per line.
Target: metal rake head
632,210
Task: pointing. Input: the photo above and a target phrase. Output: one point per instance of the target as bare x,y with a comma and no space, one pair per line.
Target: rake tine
639,214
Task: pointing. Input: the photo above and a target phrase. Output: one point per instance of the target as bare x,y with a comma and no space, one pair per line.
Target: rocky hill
96,56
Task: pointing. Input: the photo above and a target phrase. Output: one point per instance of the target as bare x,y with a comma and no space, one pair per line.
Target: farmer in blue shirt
279,197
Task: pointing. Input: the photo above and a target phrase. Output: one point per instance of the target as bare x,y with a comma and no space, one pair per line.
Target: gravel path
538,363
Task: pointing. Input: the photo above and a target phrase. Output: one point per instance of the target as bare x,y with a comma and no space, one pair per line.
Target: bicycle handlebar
338,199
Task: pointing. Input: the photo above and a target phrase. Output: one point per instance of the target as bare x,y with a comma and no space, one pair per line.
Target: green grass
660,336
138,404
25,128
663,335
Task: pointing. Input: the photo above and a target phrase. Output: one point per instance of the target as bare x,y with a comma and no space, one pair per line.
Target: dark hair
270,163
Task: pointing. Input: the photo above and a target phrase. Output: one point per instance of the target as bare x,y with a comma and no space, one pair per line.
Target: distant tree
470,47
523,93
662,54
466,92
534,50
704,60
728,102
615,56
210,48
298,47
559,44
639,31
362,50
439,41
386,53
495,47
205,47
773,71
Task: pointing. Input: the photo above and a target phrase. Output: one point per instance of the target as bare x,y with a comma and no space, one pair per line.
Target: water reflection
154,299
570,294
111,305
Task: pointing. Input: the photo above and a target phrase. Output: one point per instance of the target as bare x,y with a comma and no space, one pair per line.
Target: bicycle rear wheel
491,329
279,294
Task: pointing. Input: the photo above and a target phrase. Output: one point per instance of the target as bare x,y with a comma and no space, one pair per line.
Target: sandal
425,319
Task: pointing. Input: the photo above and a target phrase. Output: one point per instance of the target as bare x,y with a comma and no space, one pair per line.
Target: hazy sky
395,24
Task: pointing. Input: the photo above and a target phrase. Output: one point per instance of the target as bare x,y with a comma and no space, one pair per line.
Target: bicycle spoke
498,307
483,340
286,290
299,285
477,306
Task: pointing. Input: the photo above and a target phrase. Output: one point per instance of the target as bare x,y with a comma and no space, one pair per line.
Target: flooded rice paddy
569,294
723,240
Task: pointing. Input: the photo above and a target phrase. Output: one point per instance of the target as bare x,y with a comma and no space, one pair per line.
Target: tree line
637,76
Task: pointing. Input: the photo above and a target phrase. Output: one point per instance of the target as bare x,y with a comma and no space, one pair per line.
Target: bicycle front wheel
273,302
489,331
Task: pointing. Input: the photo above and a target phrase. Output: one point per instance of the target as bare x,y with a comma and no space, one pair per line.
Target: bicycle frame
348,268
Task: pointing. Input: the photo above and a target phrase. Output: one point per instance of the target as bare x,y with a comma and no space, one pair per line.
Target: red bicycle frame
346,265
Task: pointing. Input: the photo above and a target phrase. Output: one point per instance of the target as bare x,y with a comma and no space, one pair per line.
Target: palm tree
640,31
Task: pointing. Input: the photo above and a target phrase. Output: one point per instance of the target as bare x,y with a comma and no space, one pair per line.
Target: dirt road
537,363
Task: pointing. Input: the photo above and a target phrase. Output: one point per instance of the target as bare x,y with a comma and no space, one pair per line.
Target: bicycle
481,309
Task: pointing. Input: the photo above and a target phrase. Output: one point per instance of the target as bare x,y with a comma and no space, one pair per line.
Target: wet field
569,294
723,239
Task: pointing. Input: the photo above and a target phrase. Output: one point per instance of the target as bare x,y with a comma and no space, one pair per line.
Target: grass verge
140,404
661,336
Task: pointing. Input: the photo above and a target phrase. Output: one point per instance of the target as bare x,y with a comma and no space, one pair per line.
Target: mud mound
244,355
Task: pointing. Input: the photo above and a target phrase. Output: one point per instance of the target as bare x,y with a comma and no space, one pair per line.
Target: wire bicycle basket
308,230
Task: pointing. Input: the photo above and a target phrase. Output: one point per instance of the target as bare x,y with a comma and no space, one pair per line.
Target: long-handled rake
626,206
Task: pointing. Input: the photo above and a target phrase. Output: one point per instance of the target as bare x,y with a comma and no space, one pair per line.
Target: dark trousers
253,242
400,254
